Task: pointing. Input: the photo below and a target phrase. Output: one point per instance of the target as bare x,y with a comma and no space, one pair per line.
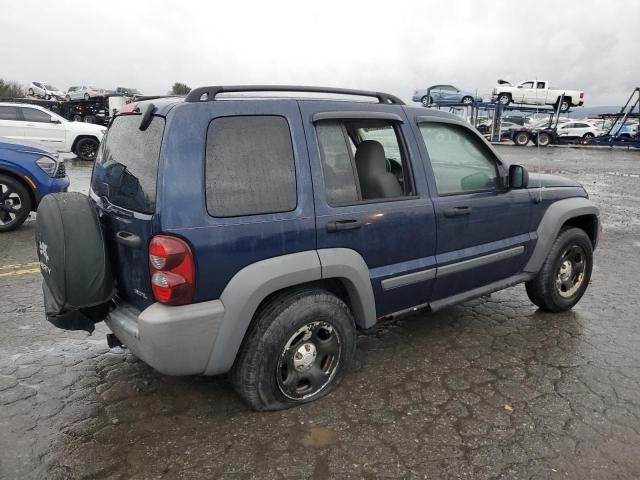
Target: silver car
84,93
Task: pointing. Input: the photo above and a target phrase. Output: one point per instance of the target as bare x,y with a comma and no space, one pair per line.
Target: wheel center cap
304,356
566,269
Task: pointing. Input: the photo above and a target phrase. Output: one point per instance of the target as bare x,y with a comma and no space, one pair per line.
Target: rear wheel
565,274
521,139
30,92
86,96
297,350
588,135
87,148
15,204
467,100
564,105
544,139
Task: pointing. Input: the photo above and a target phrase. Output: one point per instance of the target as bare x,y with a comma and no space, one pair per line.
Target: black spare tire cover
77,279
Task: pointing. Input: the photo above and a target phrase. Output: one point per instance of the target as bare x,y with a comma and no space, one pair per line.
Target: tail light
581,94
172,270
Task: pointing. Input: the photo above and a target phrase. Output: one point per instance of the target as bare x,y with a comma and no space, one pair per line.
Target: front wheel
15,204
565,274
298,349
504,99
87,149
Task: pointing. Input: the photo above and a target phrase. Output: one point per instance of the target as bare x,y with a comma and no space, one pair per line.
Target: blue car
27,173
441,94
255,236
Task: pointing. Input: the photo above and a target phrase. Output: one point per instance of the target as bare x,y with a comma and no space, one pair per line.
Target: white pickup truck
537,92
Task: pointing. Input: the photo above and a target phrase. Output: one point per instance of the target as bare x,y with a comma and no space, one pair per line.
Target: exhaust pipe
114,341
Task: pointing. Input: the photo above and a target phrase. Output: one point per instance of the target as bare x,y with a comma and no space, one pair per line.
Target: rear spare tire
77,279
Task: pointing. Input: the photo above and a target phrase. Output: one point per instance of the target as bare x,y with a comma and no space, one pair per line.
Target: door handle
457,211
340,225
128,239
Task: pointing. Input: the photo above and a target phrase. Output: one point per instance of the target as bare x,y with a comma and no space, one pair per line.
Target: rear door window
33,115
250,166
126,169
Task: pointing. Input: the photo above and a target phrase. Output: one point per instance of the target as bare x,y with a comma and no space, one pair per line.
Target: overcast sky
392,45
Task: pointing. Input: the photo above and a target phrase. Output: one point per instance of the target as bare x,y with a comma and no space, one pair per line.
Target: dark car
255,236
27,173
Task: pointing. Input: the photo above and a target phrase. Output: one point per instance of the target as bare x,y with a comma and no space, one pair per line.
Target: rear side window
126,169
250,168
8,113
33,115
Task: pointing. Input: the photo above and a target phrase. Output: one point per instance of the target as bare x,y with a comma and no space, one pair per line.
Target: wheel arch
341,271
578,212
80,137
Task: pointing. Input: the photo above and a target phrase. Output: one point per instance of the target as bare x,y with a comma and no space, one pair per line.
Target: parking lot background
492,388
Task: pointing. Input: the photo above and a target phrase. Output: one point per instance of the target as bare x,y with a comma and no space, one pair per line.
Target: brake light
172,270
581,94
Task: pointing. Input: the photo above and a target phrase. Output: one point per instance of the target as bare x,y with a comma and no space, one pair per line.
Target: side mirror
518,177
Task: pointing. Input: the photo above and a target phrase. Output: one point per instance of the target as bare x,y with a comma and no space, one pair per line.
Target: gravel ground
492,388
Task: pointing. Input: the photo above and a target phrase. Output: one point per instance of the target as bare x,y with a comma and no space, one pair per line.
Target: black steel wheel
15,204
565,274
87,148
298,349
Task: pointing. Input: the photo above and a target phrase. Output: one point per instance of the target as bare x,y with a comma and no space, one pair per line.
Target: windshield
50,87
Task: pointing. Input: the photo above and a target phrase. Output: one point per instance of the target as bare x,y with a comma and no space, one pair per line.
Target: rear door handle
128,239
457,211
340,225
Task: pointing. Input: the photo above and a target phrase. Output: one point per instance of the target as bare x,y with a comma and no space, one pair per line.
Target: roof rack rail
198,94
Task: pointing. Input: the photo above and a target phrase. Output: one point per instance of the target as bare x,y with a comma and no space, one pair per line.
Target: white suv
36,124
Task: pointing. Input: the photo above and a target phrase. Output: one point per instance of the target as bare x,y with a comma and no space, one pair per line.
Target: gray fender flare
251,285
555,216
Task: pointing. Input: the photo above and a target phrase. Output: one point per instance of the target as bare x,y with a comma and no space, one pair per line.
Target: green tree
10,89
180,89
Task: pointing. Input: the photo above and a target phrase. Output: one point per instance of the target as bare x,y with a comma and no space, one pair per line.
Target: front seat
375,180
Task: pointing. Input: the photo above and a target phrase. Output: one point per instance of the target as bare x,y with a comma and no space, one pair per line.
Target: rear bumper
172,340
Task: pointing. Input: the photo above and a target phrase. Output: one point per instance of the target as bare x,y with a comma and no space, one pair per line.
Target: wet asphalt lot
488,389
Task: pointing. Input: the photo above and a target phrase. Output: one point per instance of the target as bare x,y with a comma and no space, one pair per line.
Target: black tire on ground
87,148
504,98
15,203
309,326
521,139
426,101
544,139
467,100
549,289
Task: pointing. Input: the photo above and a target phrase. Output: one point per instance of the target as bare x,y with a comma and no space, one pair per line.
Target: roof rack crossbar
198,94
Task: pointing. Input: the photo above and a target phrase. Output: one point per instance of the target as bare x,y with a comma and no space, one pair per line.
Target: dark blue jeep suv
255,235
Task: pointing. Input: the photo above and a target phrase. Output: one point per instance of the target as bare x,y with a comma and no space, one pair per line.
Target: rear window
126,169
250,168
